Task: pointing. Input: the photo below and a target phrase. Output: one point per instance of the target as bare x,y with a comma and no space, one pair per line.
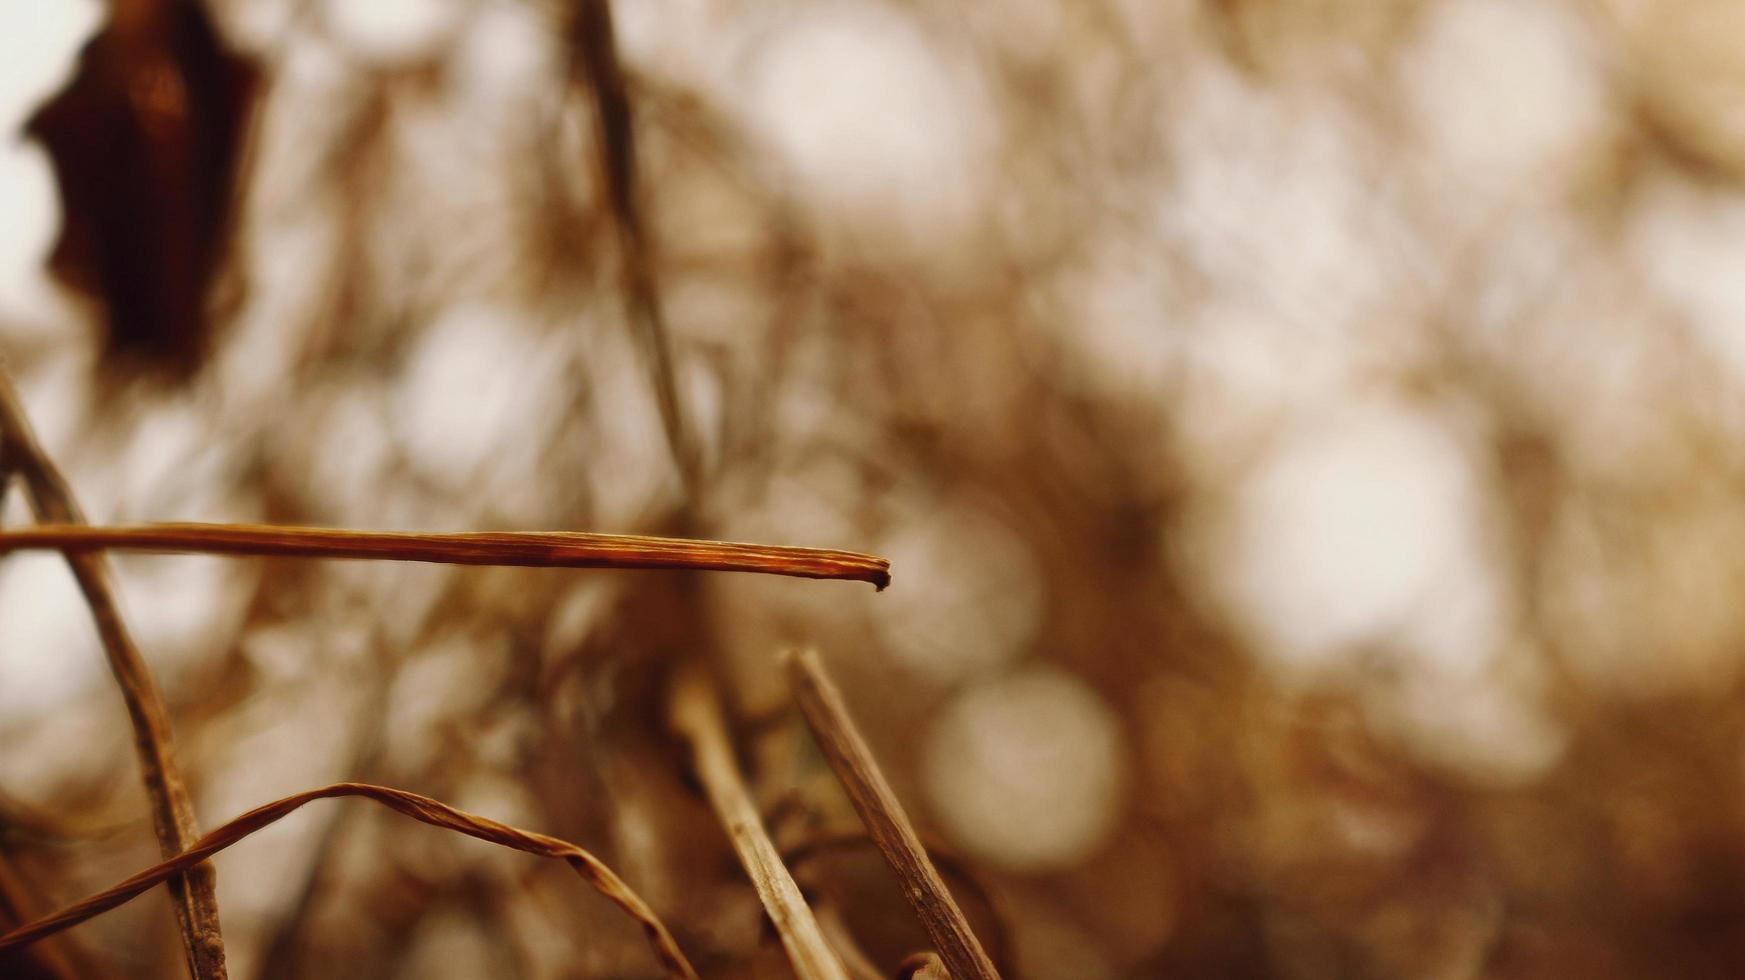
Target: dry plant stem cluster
187,868
545,549
193,888
847,752
696,708
697,716
419,808
693,705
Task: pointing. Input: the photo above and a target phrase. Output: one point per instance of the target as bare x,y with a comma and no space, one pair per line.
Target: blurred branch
194,888
43,962
696,714
543,549
848,754
596,51
412,805
841,937
286,949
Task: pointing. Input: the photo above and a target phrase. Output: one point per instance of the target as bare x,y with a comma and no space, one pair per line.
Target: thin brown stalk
696,714
847,752
560,549
412,805
193,890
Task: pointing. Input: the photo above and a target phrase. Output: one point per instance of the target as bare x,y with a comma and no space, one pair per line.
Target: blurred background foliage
1306,434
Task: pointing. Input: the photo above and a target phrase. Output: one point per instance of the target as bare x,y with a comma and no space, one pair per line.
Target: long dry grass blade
411,804
847,752
562,549
193,891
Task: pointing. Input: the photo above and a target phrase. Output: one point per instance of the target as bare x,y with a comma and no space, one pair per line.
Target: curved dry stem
411,804
552,549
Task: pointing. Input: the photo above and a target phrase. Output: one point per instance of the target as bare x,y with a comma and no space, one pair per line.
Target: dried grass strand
420,808
870,793
193,891
546,549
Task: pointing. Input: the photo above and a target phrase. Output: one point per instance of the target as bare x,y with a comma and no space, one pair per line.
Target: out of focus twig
871,794
546,549
695,712
923,966
841,938
417,807
595,50
194,887
288,946
44,961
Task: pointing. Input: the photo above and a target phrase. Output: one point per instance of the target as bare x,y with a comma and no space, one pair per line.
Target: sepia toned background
1308,436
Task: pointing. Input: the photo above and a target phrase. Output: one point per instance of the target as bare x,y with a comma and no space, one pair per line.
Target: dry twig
419,808
696,715
852,760
559,549
193,889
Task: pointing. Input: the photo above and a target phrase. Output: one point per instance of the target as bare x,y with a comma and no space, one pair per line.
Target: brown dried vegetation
1307,434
